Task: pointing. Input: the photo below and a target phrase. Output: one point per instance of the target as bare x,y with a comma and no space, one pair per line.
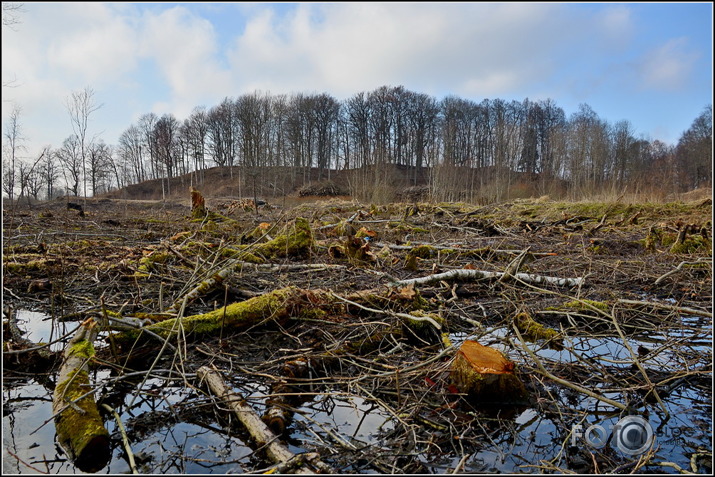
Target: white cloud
667,67
170,58
614,26
184,48
96,46
346,48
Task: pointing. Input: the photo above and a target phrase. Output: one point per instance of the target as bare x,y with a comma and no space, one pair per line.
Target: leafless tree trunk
80,106
11,151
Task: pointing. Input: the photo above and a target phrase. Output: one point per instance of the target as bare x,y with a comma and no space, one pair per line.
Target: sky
647,63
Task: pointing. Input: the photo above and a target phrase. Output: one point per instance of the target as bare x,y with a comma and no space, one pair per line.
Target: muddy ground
636,328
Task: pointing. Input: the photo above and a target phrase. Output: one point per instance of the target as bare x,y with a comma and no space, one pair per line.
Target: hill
275,182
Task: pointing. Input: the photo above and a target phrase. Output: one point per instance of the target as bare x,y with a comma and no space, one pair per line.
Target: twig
125,439
405,316
636,361
563,382
681,309
680,266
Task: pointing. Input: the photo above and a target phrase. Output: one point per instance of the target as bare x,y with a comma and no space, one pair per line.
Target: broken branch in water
275,450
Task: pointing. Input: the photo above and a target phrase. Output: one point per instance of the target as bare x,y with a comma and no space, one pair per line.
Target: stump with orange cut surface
486,375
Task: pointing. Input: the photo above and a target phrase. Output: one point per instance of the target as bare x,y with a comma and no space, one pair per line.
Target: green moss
296,240
652,240
692,244
421,324
269,306
81,349
77,426
21,268
423,251
406,228
80,429
531,330
148,263
312,313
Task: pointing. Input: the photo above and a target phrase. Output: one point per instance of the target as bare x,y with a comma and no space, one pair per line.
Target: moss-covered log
296,240
275,305
282,304
532,330
486,375
80,429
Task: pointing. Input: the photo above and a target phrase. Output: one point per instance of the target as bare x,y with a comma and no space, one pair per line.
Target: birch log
467,274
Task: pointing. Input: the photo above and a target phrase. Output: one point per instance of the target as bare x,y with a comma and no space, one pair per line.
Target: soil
139,257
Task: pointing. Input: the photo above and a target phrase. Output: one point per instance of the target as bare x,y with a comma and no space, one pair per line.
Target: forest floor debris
369,305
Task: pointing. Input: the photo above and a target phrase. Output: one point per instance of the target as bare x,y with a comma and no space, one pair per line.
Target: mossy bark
296,240
274,305
279,304
80,429
532,330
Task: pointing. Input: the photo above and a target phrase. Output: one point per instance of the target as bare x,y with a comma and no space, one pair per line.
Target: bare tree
70,156
29,177
146,125
48,171
221,133
195,131
11,13
81,105
694,153
165,143
99,157
130,151
13,146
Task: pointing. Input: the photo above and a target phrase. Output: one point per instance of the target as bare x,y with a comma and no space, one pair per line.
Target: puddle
168,434
41,328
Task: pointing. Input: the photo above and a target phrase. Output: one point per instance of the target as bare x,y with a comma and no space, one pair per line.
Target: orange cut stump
485,374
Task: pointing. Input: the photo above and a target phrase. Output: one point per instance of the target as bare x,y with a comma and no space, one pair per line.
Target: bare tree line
464,150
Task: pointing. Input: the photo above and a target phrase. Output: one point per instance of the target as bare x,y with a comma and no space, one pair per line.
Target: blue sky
648,63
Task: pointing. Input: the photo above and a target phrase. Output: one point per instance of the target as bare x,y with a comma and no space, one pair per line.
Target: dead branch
698,262
542,370
259,431
680,309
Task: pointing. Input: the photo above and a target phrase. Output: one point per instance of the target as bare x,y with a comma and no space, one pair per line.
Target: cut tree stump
486,375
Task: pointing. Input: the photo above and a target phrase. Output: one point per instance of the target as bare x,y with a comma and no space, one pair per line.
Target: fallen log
467,274
276,451
277,305
79,426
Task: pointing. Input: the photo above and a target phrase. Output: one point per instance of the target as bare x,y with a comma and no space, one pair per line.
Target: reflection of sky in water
41,329
531,439
25,408
352,417
671,349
